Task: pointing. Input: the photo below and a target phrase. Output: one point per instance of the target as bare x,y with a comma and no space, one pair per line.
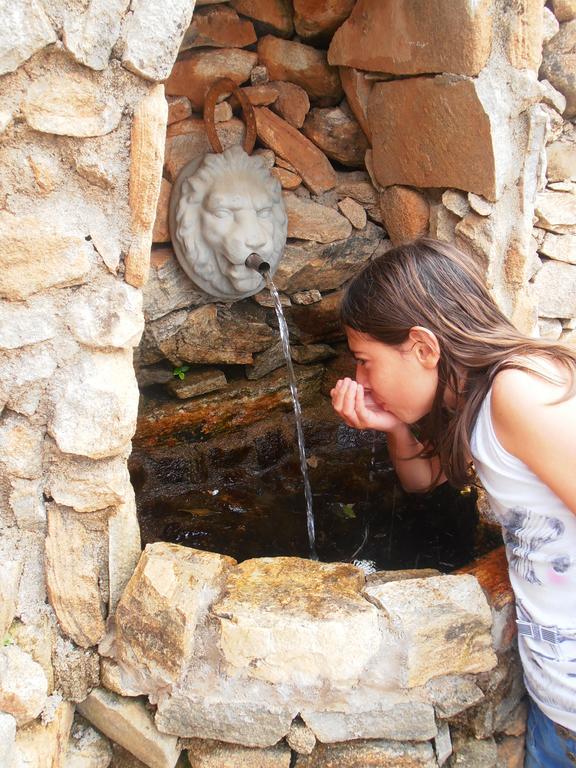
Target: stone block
291,103
445,621
179,108
37,637
338,134
168,287
26,29
70,104
272,15
107,315
561,161
218,26
94,405
559,247
90,36
267,629
7,739
152,36
300,738
555,286
474,753
195,71
524,27
315,222
320,19
43,744
161,232
129,723
303,65
36,255
357,88
453,147
405,214
451,694
510,751
564,10
74,572
559,65
373,753
23,685
10,572
287,142
25,324
217,754
396,37
87,748
287,179
160,609
27,504
20,446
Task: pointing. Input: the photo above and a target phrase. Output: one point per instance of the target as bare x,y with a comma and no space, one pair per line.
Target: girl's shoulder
540,380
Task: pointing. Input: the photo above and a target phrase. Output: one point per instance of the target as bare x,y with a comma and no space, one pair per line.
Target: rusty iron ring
226,85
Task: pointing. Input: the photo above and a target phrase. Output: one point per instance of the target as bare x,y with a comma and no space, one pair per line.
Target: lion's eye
222,213
264,213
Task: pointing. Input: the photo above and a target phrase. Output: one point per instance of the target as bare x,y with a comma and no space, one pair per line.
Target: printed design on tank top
525,534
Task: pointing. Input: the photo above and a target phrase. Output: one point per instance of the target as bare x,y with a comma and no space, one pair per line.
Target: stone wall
451,138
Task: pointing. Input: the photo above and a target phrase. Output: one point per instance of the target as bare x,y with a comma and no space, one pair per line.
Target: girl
433,350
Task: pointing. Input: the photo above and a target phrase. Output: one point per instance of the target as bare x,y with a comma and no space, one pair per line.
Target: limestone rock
26,29
407,150
374,753
179,108
405,213
472,752
451,694
87,485
244,403
357,89
550,25
194,72
549,328
320,19
168,288
311,221
269,360
146,160
128,723
357,185
124,547
23,685
218,26
94,405
303,65
163,604
214,754
300,738
555,286
87,748
267,630
337,134
479,204
306,297
182,148
73,573
380,36
561,163
559,64
20,446
559,247
43,745
310,163
354,212
90,36
198,383
27,504
70,105
448,607
292,102
7,739
76,670
456,201
273,15
161,232
556,212
36,255
10,572
564,10
523,34
107,316
152,36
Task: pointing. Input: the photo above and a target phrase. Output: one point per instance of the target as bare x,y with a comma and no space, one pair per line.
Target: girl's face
400,379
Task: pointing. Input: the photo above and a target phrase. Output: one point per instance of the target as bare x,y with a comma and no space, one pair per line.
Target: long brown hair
432,284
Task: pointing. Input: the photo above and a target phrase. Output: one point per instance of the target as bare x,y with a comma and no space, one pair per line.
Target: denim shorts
548,745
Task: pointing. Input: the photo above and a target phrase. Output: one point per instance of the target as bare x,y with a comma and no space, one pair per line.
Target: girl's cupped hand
358,409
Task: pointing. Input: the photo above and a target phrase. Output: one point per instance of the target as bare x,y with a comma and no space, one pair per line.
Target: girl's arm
416,475
539,431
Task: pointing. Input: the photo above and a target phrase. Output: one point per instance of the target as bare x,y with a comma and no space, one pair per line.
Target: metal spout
256,262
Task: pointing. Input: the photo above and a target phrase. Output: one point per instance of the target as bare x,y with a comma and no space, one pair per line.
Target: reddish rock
319,18
192,142
218,26
354,212
222,112
274,15
285,164
320,321
195,71
161,233
292,103
303,65
357,89
288,179
405,214
452,147
259,95
337,134
510,752
357,185
397,37
312,221
524,29
179,108
564,10
310,163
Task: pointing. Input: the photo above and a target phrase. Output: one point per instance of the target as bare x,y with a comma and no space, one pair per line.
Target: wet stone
197,383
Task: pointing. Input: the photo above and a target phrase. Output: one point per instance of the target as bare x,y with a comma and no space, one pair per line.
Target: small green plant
346,512
7,639
180,372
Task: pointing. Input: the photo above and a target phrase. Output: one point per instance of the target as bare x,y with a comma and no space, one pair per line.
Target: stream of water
285,338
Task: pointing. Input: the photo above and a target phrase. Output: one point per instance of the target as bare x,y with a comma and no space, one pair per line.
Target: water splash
285,338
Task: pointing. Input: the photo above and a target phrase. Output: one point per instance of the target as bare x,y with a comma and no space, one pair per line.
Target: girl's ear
424,344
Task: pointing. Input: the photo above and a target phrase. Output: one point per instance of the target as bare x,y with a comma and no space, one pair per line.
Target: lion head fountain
225,207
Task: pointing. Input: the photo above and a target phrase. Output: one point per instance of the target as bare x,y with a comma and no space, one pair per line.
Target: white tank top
540,537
